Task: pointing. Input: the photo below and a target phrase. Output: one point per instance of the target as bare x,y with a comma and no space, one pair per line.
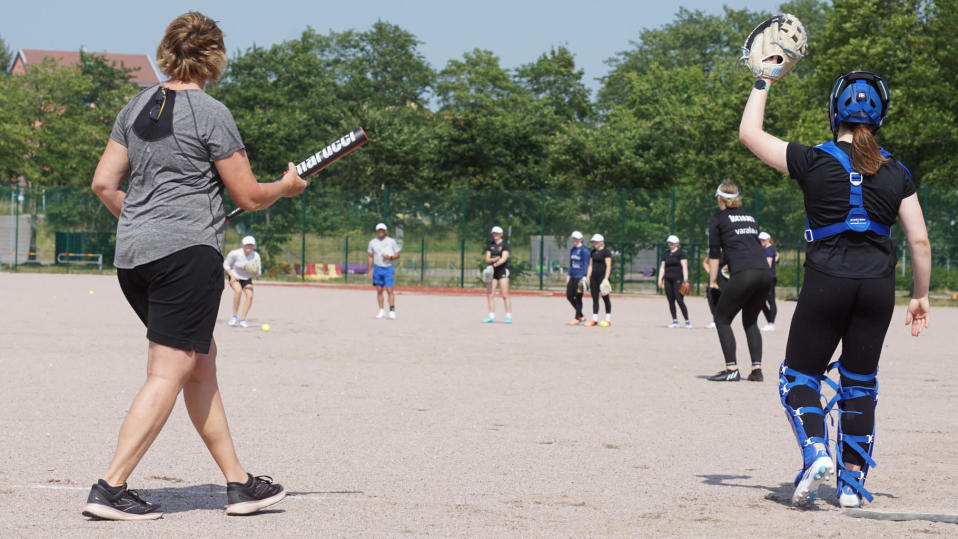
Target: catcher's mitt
685,288
605,287
584,285
252,267
774,47
487,273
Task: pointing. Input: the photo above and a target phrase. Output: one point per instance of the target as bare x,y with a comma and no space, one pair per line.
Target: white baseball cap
497,230
764,236
597,237
576,235
672,239
381,226
248,240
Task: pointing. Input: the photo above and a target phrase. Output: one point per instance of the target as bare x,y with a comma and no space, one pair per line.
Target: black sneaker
756,376
727,375
257,493
112,503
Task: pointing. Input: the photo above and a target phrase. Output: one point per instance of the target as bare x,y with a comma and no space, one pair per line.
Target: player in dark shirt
770,309
497,255
673,273
734,234
853,192
600,268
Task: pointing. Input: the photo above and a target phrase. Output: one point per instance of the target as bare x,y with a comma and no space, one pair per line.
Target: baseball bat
323,158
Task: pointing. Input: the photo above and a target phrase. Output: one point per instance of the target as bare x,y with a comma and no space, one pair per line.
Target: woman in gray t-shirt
180,148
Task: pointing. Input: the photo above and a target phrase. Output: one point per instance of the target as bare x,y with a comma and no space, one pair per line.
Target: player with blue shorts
382,251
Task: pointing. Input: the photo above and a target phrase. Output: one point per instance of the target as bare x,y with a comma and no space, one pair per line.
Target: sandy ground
435,424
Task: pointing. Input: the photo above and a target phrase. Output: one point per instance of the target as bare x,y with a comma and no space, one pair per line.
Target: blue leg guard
817,464
852,483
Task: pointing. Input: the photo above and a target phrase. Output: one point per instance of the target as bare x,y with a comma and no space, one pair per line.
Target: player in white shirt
382,251
242,265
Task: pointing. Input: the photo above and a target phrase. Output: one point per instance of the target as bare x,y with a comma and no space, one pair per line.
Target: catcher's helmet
858,97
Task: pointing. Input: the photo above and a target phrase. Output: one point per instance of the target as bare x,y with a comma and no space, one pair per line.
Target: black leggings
770,310
574,296
746,291
672,294
594,288
855,312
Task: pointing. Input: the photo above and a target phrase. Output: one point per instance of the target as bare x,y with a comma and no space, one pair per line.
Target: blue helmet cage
858,97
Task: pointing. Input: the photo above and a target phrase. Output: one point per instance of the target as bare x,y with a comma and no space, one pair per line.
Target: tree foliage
666,114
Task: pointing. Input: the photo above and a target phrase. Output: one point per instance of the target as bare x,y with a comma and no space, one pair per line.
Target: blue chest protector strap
857,219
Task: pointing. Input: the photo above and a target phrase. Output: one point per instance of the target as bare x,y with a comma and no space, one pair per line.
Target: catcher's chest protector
857,219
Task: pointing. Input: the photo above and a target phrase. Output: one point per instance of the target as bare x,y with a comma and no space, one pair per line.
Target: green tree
554,80
6,57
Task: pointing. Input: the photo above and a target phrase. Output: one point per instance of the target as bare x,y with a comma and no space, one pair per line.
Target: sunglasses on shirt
159,101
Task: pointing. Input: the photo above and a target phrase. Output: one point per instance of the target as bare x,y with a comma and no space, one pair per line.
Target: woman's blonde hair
729,186
192,49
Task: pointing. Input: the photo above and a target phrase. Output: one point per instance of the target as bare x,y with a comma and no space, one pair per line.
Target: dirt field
435,424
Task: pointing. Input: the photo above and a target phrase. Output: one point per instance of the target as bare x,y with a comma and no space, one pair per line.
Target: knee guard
805,442
853,479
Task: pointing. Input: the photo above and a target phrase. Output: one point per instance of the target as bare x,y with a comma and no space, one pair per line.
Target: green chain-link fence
322,236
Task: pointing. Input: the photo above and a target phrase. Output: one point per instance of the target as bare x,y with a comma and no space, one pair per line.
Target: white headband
723,194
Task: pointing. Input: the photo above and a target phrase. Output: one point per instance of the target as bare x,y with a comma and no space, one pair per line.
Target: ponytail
866,158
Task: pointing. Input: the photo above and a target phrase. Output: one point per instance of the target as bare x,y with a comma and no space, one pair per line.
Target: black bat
323,158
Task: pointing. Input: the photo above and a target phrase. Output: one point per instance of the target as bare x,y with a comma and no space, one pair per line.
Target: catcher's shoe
848,498
812,477
727,375
591,323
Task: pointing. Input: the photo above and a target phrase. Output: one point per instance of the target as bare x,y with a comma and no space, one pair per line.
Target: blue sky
517,31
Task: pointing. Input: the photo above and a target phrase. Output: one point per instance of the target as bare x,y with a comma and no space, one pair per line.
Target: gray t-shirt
175,196
376,248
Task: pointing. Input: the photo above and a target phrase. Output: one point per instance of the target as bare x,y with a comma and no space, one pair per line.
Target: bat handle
239,211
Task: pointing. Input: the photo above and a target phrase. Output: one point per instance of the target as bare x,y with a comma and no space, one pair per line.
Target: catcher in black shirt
734,234
854,191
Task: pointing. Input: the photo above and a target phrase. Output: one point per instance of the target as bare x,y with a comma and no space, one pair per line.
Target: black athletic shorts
500,272
245,282
177,297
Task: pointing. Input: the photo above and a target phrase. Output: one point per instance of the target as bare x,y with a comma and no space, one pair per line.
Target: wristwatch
761,85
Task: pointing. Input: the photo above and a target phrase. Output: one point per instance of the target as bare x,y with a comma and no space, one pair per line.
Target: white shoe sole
108,513
821,471
246,508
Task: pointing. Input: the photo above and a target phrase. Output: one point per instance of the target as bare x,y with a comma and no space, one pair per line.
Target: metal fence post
346,262
16,229
542,237
303,239
622,241
462,243
672,227
422,259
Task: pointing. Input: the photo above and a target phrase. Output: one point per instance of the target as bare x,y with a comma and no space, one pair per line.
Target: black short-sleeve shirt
599,257
496,249
825,184
734,234
673,264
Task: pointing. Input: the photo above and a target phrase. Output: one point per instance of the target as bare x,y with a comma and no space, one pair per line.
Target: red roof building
145,74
